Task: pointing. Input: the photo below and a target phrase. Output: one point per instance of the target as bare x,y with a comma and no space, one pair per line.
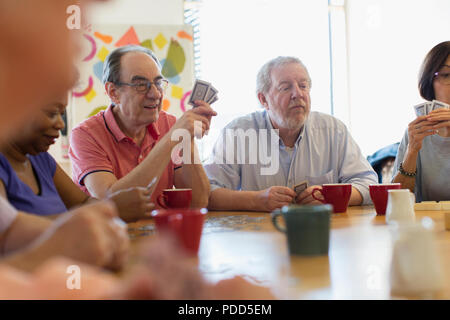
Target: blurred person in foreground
37,54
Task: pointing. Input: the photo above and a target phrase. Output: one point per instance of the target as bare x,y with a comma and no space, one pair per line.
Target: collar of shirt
118,134
269,126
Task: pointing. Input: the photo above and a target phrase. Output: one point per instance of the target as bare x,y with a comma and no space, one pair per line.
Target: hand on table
274,197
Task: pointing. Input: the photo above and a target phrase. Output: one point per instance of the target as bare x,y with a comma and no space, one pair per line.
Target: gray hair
111,67
263,79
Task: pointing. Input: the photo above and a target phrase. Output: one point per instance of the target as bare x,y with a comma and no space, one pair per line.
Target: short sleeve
400,153
86,155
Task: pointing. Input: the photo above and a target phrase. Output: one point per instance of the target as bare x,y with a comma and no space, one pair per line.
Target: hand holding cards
203,91
425,108
299,188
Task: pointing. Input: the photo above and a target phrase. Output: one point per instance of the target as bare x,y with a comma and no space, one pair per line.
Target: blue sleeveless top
20,195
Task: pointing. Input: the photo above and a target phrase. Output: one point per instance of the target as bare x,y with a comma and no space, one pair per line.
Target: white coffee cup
400,206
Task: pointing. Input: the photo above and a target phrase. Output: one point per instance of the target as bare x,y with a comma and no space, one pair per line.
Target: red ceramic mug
338,195
186,224
379,195
175,198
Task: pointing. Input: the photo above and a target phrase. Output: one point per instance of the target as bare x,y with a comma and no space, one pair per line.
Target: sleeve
220,172
7,215
400,154
87,155
355,168
399,158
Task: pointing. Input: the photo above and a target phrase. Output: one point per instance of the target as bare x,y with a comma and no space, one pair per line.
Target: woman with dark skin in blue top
33,182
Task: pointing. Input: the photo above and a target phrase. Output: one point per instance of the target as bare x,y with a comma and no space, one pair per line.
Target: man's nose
297,91
154,92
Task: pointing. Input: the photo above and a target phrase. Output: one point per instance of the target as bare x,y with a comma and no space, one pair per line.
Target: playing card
300,187
214,99
439,105
211,94
199,92
420,109
429,107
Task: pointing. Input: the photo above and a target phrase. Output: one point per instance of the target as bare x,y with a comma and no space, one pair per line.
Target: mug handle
161,201
275,214
317,190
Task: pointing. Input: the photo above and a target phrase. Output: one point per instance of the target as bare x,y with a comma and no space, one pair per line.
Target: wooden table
357,266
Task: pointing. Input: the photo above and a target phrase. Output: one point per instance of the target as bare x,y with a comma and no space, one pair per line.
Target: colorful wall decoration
173,45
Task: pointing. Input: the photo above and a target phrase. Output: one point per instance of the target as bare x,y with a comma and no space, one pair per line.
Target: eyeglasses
144,86
443,77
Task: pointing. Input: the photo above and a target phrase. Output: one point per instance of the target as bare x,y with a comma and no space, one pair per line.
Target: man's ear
262,100
112,92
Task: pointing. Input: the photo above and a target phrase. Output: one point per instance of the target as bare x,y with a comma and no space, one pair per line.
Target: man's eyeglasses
144,86
443,77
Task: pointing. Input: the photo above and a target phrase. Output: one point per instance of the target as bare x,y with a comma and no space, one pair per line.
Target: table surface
357,266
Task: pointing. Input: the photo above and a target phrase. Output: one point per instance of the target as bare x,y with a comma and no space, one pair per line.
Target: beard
286,123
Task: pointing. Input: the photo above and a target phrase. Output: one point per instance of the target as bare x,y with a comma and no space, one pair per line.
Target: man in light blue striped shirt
259,157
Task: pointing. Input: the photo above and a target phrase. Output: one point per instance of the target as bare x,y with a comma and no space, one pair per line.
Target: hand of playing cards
299,188
425,108
203,91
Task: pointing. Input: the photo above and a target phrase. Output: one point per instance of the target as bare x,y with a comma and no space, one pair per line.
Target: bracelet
405,173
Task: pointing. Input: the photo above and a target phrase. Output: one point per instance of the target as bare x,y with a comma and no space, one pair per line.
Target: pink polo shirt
98,144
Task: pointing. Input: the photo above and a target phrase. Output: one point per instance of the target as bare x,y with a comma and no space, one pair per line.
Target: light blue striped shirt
324,152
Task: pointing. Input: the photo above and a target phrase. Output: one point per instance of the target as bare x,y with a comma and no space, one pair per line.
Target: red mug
379,195
175,198
338,195
186,224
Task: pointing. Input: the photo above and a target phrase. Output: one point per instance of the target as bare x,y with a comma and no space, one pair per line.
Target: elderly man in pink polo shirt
131,142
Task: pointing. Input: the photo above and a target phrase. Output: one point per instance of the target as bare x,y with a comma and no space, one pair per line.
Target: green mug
307,228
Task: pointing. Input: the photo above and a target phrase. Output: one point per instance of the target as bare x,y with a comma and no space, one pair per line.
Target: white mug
415,266
400,206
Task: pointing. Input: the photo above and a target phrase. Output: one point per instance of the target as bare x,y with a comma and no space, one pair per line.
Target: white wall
388,41
138,12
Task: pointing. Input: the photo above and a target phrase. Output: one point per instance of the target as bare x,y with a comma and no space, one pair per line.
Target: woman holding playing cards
423,158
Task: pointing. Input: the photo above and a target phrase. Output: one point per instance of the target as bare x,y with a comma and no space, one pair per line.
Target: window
237,37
